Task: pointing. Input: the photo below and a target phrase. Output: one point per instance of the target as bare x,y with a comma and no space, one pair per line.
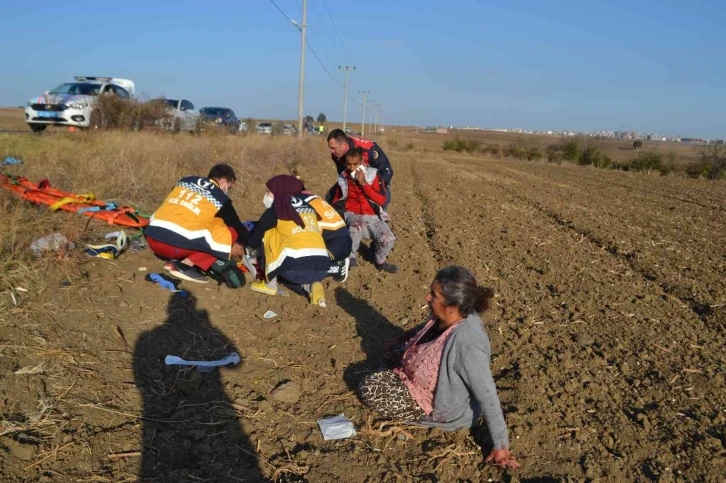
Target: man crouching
197,229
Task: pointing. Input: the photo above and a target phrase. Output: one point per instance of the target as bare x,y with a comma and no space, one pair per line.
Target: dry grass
38,422
137,169
22,223
140,168
12,118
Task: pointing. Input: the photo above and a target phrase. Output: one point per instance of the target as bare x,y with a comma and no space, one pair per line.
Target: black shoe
185,272
342,273
387,267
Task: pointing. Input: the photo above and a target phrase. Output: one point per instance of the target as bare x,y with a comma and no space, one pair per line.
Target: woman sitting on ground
294,249
440,372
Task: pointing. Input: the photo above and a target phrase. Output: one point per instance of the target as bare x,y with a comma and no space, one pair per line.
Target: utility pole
345,97
370,120
376,129
301,91
363,117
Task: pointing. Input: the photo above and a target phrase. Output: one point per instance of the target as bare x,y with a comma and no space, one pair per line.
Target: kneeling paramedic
197,229
289,237
335,234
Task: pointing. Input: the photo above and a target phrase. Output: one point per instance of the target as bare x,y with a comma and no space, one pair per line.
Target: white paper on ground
336,427
233,358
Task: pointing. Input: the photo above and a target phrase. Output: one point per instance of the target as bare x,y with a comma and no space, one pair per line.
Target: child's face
351,164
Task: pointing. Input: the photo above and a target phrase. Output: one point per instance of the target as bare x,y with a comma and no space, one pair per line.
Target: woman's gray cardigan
465,389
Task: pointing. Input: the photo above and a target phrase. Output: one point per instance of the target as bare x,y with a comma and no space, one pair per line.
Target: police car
72,103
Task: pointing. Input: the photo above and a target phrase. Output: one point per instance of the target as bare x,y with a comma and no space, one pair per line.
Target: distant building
442,130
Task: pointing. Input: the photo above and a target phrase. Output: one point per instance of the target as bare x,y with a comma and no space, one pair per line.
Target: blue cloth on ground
110,206
164,283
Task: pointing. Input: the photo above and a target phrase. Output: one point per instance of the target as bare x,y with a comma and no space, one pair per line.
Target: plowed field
608,339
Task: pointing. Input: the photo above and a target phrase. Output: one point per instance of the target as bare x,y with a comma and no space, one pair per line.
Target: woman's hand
503,458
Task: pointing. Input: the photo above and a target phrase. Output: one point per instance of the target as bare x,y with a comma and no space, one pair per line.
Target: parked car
243,126
289,130
222,116
182,116
72,103
264,128
346,130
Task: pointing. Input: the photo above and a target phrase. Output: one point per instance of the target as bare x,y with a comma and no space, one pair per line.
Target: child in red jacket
361,195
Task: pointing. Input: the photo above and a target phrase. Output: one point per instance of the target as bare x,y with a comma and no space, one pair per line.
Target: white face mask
267,200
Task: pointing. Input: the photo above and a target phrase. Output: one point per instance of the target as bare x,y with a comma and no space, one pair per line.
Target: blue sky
634,65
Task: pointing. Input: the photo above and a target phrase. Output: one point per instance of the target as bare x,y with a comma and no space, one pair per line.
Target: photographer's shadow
191,432
374,330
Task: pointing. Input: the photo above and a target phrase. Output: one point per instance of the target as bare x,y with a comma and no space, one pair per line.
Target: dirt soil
608,339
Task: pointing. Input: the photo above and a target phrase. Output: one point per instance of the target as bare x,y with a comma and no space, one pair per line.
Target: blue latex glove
164,283
250,225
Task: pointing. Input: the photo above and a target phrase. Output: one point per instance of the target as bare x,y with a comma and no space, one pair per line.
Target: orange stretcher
87,205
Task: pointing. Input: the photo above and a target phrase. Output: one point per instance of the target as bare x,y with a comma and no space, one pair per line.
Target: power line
323,65
332,42
307,42
283,13
315,54
336,30
322,49
324,52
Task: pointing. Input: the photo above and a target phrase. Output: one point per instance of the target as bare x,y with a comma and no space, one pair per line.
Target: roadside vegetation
115,112
712,164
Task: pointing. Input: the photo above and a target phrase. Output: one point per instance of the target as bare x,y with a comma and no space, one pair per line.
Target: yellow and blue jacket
287,246
329,220
188,218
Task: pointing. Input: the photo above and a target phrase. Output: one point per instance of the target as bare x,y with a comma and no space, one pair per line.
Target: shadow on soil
372,327
190,430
